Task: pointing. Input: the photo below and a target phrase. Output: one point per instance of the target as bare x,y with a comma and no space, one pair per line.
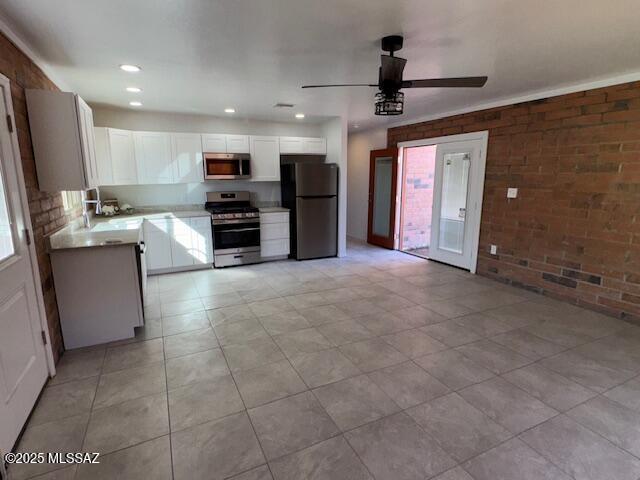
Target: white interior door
457,203
23,364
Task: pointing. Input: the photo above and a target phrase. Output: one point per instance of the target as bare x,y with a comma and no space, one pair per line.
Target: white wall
150,195
359,146
335,131
262,193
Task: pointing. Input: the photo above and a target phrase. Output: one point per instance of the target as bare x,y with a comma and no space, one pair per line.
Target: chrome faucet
86,219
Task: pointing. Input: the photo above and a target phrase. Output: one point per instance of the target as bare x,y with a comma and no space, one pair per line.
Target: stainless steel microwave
227,166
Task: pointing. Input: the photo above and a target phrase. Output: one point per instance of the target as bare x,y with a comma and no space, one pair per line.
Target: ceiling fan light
389,103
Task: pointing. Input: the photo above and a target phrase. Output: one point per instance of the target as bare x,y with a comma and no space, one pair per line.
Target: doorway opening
418,175
425,198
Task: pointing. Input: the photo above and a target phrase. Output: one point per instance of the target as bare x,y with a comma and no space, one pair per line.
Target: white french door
23,359
457,203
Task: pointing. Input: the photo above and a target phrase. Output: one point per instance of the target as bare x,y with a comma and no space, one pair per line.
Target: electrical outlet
512,192
494,249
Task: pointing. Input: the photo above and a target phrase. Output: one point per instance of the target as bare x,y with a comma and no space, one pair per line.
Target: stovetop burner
225,211
227,205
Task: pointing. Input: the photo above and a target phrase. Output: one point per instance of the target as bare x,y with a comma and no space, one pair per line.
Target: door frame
385,242
24,205
483,137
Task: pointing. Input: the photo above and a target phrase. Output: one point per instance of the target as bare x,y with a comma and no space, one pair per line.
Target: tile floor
379,365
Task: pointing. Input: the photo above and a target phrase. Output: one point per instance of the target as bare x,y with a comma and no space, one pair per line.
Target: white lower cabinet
274,235
180,234
201,241
178,243
158,244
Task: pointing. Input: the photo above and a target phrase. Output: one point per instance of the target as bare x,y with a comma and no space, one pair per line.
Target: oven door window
236,235
223,167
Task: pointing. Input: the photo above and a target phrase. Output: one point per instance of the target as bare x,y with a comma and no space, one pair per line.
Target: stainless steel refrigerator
310,191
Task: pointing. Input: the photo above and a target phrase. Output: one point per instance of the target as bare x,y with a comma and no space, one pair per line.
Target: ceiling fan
389,99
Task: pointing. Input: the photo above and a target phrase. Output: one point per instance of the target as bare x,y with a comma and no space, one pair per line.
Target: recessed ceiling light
299,115
134,89
135,104
130,68
229,110
355,125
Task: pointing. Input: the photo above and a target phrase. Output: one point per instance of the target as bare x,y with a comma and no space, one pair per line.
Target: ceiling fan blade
342,85
461,82
391,69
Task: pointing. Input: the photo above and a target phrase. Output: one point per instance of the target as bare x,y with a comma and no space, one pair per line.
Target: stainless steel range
236,228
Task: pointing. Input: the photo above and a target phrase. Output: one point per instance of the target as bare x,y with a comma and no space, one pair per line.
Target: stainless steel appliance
235,226
227,166
310,191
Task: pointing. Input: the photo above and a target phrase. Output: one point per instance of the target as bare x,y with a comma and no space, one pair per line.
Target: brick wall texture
417,196
46,210
574,231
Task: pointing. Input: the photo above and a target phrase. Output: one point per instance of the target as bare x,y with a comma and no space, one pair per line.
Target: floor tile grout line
619,447
593,340
166,384
246,411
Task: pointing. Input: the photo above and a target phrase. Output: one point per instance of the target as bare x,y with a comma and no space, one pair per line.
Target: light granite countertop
119,230
273,209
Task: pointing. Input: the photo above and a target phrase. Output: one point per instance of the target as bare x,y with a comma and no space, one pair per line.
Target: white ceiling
200,56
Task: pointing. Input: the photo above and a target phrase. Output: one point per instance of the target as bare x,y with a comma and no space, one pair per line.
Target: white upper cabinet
103,156
61,125
145,158
214,143
237,143
153,157
265,159
303,146
123,160
87,137
314,146
186,150
290,145
219,143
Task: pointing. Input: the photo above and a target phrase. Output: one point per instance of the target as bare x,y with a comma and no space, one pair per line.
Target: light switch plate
494,249
512,192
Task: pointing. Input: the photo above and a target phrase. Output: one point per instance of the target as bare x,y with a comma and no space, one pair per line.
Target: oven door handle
239,230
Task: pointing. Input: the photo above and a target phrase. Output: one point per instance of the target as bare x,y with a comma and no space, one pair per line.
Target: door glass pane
455,182
6,239
382,196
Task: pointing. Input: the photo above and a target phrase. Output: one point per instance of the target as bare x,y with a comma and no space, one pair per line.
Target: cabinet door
85,119
181,242
186,152
314,146
237,143
273,231
265,159
103,156
274,248
201,241
123,160
153,157
290,145
214,143
158,244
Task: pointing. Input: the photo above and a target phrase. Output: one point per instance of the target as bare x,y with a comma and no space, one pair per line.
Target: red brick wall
47,213
574,230
417,196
